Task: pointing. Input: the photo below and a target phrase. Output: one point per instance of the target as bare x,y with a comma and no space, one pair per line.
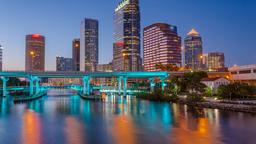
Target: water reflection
74,131
31,130
123,130
69,119
3,106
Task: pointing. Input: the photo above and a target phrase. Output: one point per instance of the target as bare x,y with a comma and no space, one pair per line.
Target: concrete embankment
90,97
223,106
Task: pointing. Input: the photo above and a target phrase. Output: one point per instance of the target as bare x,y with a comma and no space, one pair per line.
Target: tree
168,67
176,90
235,90
191,82
13,81
209,91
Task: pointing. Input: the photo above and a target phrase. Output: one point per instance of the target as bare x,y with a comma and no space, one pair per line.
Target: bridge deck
51,74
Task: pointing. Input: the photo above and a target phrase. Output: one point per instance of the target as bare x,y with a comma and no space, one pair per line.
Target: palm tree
209,91
176,89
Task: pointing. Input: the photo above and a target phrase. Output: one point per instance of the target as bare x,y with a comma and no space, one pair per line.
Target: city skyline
13,39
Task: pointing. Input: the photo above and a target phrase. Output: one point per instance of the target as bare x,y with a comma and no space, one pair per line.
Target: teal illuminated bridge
35,78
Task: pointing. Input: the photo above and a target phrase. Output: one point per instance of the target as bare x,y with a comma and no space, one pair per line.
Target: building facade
193,50
244,74
89,45
214,61
35,53
162,45
105,67
104,81
215,83
76,54
64,64
1,58
126,47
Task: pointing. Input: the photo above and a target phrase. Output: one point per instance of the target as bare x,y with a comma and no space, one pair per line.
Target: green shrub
158,95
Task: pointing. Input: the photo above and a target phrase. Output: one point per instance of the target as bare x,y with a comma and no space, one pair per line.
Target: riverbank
236,106
29,98
90,97
233,106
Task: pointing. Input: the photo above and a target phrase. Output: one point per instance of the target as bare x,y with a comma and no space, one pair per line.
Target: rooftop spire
193,32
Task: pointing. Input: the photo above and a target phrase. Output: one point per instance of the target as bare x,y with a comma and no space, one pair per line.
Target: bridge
34,79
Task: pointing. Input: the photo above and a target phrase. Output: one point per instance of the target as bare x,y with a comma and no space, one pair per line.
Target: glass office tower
193,50
89,45
126,47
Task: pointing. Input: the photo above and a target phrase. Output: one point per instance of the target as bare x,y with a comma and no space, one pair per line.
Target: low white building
244,74
215,83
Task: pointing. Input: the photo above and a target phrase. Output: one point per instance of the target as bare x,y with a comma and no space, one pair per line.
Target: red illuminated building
35,53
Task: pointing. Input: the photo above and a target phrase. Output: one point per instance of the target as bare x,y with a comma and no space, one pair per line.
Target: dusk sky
228,26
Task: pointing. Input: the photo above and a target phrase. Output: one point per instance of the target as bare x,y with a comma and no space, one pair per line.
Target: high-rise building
214,61
193,50
64,64
89,45
35,53
1,58
76,54
126,47
162,45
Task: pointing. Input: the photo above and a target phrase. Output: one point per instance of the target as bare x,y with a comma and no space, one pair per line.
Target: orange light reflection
123,130
31,131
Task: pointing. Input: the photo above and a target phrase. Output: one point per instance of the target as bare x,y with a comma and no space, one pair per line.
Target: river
68,119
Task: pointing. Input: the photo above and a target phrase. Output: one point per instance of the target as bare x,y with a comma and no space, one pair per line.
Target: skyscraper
162,45
89,45
214,61
126,47
76,54
193,50
35,53
64,64
1,58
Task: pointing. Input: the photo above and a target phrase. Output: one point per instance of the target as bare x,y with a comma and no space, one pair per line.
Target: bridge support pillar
163,83
37,85
86,87
125,86
31,85
119,85
5,80
152,84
